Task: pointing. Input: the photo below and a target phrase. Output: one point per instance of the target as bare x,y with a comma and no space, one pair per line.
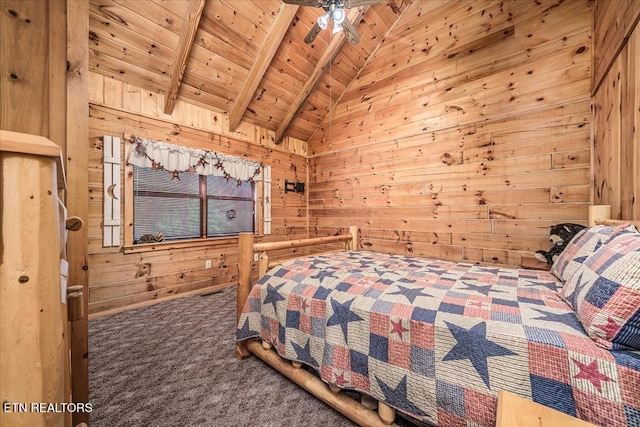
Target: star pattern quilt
437,340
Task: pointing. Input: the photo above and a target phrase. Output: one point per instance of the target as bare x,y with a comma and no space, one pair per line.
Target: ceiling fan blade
315,30
350,32
311,3
357,3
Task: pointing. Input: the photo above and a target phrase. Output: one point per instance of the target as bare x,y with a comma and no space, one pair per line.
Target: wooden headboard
601,215
635,222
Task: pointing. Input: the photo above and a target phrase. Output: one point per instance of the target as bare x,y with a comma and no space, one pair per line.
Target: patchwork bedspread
437,340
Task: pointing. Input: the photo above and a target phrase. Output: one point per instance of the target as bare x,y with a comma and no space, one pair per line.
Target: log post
387,413
368,402
263,264
353,230
245,258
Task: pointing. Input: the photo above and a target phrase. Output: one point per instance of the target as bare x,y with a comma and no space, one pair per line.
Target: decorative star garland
175,174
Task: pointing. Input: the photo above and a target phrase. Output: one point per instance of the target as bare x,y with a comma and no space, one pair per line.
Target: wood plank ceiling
243,58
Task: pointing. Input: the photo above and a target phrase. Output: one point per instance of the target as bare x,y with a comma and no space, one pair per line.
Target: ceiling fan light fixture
323,21
335,10
339,15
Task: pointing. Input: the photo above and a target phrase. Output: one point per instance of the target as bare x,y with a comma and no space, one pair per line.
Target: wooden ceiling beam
336,44
279,28
183,50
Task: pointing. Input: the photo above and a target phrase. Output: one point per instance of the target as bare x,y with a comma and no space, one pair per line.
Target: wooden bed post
245,258
353,230
263,263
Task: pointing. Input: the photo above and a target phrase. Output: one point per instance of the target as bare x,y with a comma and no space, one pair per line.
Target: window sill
181,244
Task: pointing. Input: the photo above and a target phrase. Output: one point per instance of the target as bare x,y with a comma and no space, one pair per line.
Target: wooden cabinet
516,411
34,343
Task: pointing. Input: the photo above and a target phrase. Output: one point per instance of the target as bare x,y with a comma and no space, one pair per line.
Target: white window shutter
267,200
111,196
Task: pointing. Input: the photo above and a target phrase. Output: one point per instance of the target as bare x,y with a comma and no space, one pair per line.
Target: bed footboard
247,248
361,413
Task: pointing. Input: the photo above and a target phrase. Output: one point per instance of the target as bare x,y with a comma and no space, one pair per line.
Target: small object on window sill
533,263
150,238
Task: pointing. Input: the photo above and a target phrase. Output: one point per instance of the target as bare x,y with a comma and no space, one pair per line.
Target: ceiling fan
334,11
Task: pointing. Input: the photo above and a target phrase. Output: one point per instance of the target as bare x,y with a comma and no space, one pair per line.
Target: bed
438,340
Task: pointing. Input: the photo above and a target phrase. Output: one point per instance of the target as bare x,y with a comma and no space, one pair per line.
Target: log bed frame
361,412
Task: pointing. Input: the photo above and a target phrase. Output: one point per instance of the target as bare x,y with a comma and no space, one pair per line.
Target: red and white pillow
581,246
602,285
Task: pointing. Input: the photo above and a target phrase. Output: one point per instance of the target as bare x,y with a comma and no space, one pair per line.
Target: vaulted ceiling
244,58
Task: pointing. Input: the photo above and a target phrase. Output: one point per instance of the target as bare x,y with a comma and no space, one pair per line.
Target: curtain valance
176,159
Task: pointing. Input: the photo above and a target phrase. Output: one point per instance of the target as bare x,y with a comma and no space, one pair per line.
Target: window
193,206
186,196
230,207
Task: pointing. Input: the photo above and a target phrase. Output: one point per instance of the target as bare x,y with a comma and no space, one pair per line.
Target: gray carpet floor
174,364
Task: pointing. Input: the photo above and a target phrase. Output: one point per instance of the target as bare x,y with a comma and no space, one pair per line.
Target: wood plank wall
40,61
32,87
616,107
118,280
463,139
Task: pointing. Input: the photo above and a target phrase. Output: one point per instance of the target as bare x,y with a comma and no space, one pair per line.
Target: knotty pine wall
119,280
43,91
616,106
464,139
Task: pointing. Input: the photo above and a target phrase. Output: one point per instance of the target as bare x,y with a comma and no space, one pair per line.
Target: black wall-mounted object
296,187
